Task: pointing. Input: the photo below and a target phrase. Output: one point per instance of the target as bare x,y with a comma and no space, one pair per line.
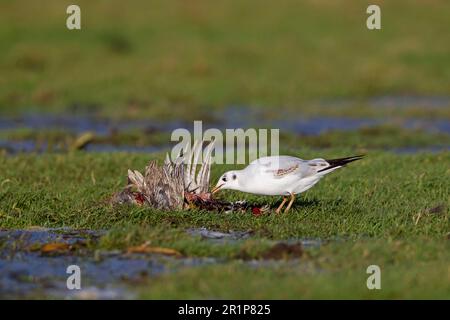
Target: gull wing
283,166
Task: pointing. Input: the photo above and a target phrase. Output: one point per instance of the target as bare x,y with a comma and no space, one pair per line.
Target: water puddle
316,126
97,147
415,150
406,101
233,236
29,146
24,146
33,264
244,117
308,242
217,236
410,101
232,117
80,124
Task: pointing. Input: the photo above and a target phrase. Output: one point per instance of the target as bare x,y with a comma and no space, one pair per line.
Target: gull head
229,180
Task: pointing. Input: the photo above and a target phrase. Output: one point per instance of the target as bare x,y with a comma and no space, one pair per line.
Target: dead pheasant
178,185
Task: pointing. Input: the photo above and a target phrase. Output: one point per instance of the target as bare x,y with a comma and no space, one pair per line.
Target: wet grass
377,197
409,270
192,60
166,235
162,59
387,209
367,138
58,140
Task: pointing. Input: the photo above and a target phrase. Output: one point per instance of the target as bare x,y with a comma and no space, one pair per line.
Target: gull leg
290,202
281,205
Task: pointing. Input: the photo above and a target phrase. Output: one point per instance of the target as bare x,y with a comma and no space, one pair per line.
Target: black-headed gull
280,175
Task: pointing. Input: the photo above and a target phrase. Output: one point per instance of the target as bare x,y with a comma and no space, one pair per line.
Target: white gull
280,176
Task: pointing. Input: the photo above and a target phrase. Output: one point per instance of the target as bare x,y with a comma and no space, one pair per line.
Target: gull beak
216,188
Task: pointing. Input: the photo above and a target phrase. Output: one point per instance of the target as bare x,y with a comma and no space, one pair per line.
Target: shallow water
217,236
233,117
390,101
80,124
24,146
233,236
29,272
29,146
97,147
414,150
110,275
409,101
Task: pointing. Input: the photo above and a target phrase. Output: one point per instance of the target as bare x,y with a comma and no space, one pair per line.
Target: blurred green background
138,69
165,59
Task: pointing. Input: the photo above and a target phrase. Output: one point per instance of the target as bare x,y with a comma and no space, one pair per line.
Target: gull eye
234,177
224,179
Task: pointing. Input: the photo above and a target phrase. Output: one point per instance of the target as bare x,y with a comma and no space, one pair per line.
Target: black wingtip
341,162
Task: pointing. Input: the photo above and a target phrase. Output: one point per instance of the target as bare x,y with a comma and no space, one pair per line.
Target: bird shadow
301,202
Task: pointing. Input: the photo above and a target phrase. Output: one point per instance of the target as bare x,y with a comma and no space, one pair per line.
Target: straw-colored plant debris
180,184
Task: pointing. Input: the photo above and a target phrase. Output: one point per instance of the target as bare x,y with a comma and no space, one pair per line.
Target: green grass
161,58
377,197
409,270
367,213
191,60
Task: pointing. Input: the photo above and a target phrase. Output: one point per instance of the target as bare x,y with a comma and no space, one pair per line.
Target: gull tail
337,163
